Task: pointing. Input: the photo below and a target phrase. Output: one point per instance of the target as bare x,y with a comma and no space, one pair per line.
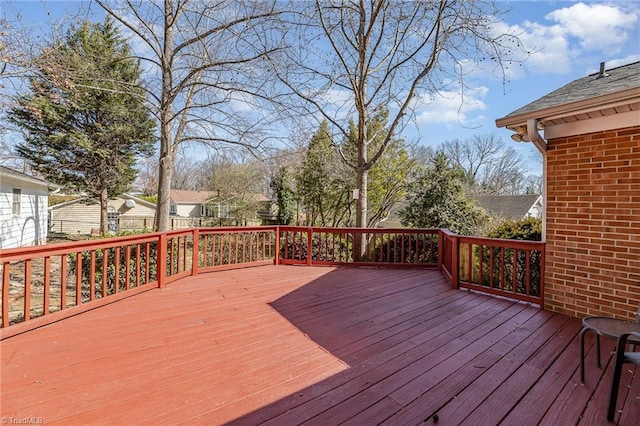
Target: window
207,210
112,221
17,201
173,209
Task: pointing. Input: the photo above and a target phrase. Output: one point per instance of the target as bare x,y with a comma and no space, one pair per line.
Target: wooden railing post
195,252
541,284
161,260
455,261
309,246
276,257
441,252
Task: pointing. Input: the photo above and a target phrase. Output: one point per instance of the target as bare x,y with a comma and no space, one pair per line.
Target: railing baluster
147,262
514,278
503,272
480,263
92,276
138,267
63,282
470,263
116,278
127,267
47,286
491,267
105,277
79,278
27,290
527,273
6,283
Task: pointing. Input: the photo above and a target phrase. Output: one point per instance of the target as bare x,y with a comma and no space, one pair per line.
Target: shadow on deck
290,345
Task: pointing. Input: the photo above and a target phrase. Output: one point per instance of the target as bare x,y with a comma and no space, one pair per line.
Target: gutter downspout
541,145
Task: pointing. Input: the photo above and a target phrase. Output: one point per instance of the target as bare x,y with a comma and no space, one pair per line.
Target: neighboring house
514,207
80,216
186,203
210,205
591,151
23,209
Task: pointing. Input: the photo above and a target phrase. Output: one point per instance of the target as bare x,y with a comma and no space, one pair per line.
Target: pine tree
438,200
85,118
285,197
325,183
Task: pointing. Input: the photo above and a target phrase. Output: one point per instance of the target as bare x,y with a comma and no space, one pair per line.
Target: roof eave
610,100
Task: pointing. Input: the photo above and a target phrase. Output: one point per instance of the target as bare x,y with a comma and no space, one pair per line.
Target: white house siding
77,217
30,226
188,210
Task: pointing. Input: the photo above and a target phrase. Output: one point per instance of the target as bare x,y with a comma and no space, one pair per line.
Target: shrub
526,229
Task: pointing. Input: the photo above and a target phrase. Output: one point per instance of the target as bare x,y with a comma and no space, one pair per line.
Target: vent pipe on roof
602,71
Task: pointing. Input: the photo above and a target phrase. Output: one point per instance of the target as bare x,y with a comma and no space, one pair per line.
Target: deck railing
358,247
510,268
43,281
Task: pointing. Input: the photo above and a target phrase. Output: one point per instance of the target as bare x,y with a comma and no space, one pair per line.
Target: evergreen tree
438,200
285,197
325,183
85,118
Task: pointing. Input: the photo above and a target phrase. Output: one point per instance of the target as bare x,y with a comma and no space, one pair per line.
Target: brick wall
593,224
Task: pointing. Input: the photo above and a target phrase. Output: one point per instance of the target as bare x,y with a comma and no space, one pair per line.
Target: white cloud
597,26
452,108
575,31
549,47
534,47
242,102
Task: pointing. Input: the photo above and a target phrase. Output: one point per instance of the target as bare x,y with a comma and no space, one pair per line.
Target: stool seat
611,328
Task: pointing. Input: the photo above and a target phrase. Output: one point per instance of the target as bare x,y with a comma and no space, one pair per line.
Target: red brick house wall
593,224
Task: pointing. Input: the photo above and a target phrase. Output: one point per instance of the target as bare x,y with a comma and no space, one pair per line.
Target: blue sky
570,39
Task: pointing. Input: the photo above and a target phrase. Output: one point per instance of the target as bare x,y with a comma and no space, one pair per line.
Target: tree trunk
360,242
104,204
165,166
361,203
164,187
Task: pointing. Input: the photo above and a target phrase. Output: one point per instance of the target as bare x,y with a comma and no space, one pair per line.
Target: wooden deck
289,345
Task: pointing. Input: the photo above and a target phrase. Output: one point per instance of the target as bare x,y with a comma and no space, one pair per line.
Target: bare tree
358,57
204,56
188,172
489,168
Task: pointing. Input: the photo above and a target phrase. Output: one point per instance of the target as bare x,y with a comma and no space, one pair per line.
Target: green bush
526,229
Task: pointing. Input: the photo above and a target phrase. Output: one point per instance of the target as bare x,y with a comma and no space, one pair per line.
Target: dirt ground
17,283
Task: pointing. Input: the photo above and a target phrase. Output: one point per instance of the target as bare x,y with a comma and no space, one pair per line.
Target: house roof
27,178
615,80
597,97
510,206
183,196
